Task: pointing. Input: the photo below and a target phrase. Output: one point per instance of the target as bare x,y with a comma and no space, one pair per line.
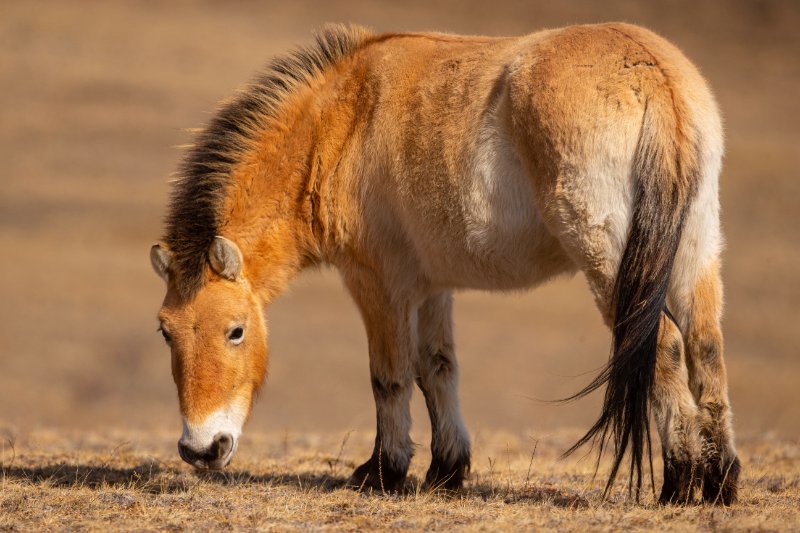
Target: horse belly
493,257
500,240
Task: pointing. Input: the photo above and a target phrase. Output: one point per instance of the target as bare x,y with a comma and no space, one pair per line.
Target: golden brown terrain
290,481
94,97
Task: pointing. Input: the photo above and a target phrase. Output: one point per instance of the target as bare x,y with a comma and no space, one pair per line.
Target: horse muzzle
215,457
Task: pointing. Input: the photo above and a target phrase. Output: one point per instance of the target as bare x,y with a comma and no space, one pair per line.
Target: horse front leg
391,333
437,377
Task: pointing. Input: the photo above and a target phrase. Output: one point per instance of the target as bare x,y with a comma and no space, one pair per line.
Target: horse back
477,141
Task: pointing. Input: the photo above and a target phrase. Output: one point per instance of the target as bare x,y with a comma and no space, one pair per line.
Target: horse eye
236,336
166,335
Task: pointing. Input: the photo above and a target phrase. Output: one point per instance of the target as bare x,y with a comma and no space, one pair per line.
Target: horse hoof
446,475
377,476
721,481
680,480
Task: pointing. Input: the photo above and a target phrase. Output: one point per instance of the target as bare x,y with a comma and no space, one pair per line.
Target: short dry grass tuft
286,482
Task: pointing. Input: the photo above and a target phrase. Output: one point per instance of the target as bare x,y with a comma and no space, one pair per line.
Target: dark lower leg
680,480
386,469
390,323
437,377
450,447
675,413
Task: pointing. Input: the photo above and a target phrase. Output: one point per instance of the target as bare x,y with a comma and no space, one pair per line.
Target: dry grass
287,482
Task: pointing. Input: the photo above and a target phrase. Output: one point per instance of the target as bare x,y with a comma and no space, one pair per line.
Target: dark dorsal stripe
199,193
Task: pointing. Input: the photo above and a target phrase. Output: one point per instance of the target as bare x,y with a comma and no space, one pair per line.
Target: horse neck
277,205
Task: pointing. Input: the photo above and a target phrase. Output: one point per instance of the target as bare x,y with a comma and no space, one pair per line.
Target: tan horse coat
417,164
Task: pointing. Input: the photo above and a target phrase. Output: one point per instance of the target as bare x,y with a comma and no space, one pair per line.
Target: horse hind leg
437,377
673,405
697,304
675,413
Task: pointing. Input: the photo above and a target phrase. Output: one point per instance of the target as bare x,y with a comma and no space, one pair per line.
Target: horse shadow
300,480
155,478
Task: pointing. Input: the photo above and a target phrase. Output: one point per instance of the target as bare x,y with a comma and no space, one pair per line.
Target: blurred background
94,99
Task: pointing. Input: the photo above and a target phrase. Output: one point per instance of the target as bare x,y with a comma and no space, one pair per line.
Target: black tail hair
663,184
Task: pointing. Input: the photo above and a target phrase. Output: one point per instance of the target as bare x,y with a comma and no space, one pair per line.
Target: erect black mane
197,197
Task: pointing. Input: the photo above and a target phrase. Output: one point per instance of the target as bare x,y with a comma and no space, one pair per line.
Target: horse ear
226,258
160,258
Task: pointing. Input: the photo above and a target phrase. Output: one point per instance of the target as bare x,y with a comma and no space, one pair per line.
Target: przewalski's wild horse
417,164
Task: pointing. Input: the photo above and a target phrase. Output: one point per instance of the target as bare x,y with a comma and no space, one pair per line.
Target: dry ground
93,98
291,481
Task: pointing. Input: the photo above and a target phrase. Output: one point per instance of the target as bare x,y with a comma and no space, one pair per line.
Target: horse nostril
187,454
222,446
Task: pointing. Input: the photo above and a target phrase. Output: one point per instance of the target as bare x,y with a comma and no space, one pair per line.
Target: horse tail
665,174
